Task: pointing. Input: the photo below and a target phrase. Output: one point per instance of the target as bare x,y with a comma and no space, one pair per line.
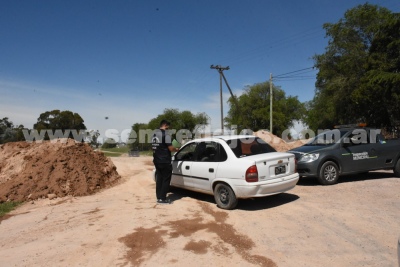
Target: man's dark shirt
160,143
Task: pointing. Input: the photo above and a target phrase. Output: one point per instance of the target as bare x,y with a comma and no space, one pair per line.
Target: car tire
328,173
396,168
225,197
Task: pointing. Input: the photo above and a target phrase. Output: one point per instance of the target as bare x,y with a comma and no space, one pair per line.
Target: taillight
295,165
252,174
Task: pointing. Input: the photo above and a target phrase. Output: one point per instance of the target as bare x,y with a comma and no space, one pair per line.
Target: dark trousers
163,174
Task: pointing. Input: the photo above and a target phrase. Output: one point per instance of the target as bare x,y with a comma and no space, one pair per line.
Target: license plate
280,169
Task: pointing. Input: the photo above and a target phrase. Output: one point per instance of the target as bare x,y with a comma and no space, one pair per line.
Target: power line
301,78
265,49
280,75
274,45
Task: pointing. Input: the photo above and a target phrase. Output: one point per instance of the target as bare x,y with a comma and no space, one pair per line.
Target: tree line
178,119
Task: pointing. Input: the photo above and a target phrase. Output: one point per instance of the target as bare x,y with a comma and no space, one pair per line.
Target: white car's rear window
244,147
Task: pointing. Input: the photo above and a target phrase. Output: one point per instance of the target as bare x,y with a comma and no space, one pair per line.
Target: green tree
343,66
59,120
9,132
180,120
134,142
5,129
92,138
109,143
254,109
378,97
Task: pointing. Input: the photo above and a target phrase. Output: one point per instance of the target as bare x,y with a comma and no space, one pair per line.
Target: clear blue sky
129,60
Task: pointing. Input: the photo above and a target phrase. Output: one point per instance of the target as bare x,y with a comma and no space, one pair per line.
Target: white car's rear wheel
225,197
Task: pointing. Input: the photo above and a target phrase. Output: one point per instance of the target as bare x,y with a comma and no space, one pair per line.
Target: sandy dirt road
353,223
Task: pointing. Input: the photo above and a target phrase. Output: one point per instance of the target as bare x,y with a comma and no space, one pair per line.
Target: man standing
162,148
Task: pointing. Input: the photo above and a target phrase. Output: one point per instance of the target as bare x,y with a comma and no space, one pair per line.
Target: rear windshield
245,147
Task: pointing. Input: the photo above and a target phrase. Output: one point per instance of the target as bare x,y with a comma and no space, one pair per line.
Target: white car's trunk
274,165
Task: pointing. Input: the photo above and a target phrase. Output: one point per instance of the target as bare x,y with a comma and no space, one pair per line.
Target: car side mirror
345,144
381,139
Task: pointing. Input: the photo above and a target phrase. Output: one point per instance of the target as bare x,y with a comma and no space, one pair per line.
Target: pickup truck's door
387,152
358,154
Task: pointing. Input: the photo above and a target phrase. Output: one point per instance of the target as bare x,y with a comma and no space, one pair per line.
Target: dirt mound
35,170
278,143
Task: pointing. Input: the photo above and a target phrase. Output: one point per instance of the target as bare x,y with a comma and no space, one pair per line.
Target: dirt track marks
145,242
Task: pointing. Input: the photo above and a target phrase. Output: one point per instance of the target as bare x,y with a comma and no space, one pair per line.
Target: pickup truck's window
356,139
327,138
380,139
249,146
186,153
364,136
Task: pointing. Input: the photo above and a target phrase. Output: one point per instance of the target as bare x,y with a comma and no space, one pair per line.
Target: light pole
220,70
270,103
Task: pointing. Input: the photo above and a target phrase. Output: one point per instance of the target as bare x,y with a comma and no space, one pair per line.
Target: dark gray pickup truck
346,150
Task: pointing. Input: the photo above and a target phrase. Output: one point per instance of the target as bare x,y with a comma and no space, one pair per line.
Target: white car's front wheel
225,197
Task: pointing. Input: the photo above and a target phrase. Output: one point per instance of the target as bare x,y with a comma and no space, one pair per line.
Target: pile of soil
278,143
56,169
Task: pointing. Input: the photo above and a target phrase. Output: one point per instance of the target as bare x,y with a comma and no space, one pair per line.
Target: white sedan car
233,167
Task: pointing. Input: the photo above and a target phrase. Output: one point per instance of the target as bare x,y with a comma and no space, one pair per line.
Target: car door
386,153
358,153
181,166
208,157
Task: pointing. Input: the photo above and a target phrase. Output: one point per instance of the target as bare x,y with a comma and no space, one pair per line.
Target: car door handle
211,169
187,167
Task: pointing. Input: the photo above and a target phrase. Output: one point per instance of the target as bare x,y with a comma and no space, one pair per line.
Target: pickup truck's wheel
328,173
225,197
396,169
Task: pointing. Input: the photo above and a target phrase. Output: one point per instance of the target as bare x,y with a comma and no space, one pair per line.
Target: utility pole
270,103
221,75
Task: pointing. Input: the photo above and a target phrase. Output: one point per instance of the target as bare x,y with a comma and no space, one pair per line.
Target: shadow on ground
374,175
244,204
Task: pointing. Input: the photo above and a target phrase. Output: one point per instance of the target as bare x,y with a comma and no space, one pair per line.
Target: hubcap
330,173
223,195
